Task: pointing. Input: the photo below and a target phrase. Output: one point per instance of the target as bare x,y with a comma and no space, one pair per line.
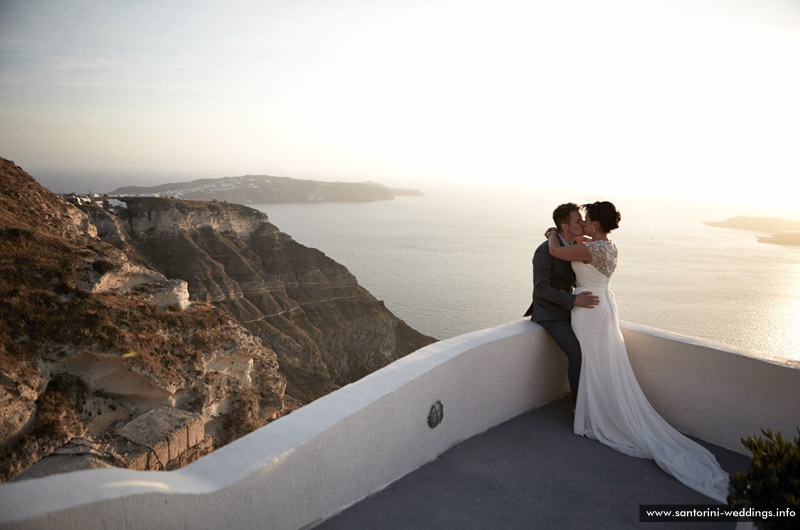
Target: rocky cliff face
326,330
162,340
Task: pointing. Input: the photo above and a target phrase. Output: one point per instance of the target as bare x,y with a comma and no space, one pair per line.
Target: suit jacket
553,283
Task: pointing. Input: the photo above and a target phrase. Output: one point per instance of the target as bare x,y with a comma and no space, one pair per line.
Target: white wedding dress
611,406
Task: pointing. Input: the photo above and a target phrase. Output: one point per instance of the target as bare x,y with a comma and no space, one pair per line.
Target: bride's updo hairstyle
604,213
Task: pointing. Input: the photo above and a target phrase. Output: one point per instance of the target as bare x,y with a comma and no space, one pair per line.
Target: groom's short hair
561,215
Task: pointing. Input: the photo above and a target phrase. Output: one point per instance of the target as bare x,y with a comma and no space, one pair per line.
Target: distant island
781,229
783,238
264,189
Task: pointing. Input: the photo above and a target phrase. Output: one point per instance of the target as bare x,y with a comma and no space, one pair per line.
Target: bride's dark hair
605,213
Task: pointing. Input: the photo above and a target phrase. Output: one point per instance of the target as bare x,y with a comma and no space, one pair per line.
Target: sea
450,263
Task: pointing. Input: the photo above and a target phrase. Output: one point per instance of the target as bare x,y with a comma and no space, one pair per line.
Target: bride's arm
574,253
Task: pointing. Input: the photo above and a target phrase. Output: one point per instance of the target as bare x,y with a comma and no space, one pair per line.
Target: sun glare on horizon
668,99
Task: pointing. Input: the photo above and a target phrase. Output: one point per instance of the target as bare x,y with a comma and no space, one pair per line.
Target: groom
553,300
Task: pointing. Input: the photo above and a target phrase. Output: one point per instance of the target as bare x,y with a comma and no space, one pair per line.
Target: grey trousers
561,331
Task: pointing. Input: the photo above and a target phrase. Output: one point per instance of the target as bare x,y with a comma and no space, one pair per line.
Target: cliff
326,329
262,189
160,340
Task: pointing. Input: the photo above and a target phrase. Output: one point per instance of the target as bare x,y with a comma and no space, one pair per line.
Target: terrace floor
528,473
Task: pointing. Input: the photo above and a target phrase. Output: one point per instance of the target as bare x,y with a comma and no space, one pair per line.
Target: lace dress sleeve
604,256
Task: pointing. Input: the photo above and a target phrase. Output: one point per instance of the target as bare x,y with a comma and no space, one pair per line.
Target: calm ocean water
450,264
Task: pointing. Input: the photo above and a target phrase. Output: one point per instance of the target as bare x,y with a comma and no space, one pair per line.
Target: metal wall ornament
436,414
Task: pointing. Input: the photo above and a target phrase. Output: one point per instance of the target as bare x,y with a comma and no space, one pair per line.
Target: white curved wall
717,393
339,449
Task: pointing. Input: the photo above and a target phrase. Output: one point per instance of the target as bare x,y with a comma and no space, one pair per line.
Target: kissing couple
573,301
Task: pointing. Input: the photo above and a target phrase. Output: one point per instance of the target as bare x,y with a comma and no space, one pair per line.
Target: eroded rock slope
146,335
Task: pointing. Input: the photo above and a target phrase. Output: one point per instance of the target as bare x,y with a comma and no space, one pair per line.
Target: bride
611,407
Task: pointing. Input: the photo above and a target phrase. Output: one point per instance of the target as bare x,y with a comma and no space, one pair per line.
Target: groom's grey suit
553,300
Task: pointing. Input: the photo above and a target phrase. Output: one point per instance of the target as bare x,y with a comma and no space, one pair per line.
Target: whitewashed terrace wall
715,392
334,452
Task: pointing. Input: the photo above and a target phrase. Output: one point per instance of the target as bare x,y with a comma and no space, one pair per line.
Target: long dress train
611,406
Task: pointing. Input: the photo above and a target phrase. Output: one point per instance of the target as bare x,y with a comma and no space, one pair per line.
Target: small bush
772,480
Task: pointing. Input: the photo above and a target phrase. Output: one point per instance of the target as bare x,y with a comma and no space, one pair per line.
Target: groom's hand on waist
586,299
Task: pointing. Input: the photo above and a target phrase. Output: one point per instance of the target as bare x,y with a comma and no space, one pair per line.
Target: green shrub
772,480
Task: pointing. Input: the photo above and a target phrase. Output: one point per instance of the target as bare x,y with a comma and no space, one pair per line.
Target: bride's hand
582,239
551,230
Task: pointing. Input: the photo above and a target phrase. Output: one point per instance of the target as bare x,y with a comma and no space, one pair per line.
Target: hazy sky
691,98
